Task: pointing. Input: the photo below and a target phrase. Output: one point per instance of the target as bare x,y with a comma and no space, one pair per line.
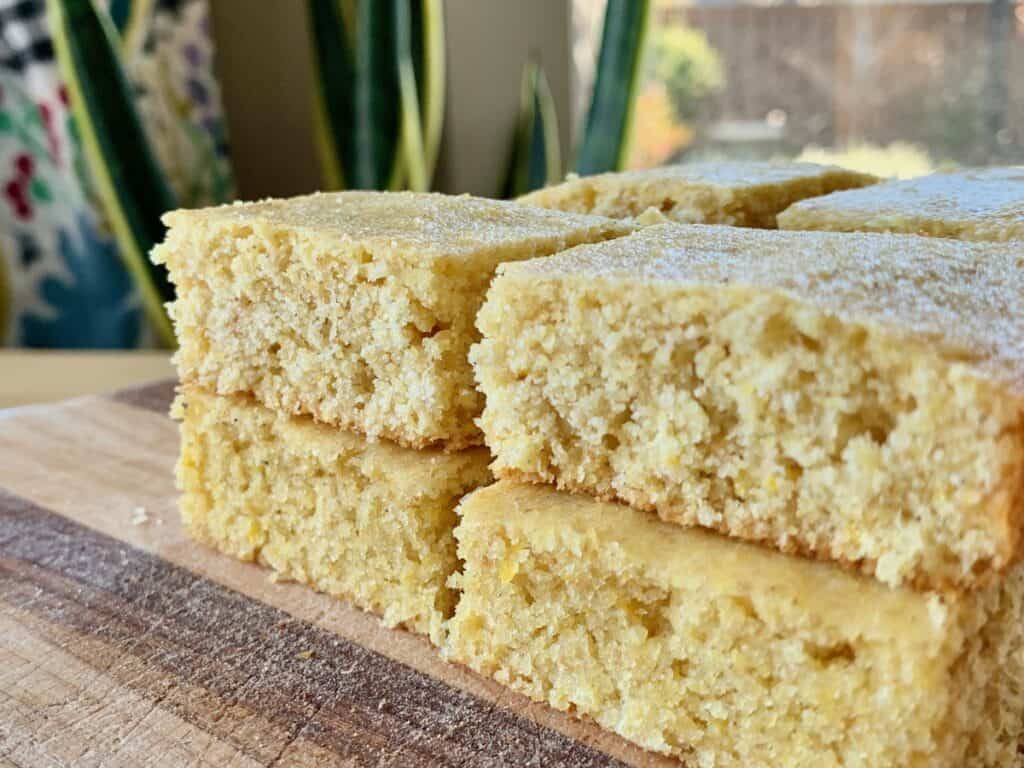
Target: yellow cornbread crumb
852,397
746,194
354,307
370,522
976,204
726,654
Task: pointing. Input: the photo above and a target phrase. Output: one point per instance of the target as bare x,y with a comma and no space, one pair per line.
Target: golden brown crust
985,573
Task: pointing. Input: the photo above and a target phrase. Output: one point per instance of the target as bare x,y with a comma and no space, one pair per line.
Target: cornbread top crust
962,298
978,204
692,559
746,193
422,226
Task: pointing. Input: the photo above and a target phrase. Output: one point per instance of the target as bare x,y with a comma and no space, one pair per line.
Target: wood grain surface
124,643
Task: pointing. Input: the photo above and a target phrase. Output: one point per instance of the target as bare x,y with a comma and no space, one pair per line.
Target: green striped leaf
131,18
430,59
379,91
535,158
371,161
419,35
409,50
131,186
120,11
606,133
332,58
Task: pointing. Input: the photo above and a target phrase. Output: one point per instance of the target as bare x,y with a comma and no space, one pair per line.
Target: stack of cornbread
847,409
326,401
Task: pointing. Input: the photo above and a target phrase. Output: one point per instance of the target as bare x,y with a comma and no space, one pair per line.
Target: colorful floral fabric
62,282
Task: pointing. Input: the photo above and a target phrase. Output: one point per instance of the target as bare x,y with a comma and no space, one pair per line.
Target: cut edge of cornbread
355,307
746,194
727,654
677,372
976,204
369,522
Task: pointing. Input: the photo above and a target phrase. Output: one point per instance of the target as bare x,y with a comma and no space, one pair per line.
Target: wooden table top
124,643
31,376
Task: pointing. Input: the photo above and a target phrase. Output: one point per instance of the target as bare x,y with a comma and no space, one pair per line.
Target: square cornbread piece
356,308
978,204
851,397
744,194
727,654
369,522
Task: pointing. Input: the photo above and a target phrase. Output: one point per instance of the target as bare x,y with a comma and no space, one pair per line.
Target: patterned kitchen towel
62,281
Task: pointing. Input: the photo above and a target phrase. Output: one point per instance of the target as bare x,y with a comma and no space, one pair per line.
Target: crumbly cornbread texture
354,307
728,654
745,194
370,522
854,397
978,204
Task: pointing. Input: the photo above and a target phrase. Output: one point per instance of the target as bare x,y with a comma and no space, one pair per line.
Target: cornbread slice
978,204
370,522
853,397
356,307
745,194
727,654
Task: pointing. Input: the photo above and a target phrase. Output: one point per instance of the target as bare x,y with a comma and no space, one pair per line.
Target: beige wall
265,69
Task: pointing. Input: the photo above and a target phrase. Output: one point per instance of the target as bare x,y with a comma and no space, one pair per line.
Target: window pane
895,88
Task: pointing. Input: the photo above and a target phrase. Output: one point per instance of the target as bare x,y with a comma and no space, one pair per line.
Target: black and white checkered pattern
24,34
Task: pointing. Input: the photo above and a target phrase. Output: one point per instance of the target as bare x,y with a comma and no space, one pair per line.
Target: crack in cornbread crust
748,194
356,308
978,204
690,643
605,362
370,522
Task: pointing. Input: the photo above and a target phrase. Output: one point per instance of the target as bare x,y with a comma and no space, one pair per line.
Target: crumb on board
140,516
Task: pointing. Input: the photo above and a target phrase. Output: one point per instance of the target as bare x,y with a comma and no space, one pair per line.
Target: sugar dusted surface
978,203
426,225
741,174
963,296
746,194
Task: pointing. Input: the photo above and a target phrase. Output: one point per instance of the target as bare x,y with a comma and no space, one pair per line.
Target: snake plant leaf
606,133
333,97
129,18
419,36
120,12
371,163
429,56
535,158
408,15
131,187
379,91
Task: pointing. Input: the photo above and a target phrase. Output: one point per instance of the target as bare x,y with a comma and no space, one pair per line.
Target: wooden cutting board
124,643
